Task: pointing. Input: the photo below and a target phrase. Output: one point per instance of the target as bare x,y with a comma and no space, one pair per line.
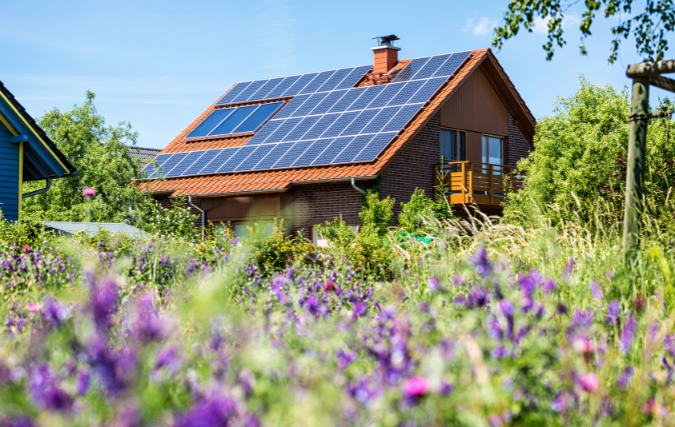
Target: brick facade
517,146
413,167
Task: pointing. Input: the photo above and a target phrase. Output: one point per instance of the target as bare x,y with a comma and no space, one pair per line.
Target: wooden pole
637,150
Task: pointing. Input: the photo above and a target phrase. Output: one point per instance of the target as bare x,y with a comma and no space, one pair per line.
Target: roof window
227,122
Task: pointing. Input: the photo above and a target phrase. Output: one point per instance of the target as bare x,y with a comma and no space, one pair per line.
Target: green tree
377,214
101,155
581,153
649,26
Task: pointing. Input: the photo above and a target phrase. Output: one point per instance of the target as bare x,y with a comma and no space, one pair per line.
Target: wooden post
637,147
490,189
470,178
463,181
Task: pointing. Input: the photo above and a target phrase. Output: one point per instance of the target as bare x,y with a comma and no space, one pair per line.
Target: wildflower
34,307
26,248
628,334
214,410
625,377
416,386
589,382
45,392
82,383
103,302
569,268
54,312
613,313
548,286
446,388
434,284
481,262
89,193
596,291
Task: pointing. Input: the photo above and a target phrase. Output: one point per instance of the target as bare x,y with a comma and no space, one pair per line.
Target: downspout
191,204
40,191
360,190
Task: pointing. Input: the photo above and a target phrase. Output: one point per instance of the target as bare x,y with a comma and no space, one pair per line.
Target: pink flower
89,193
416,386
33,307
590,382
330,286
26,248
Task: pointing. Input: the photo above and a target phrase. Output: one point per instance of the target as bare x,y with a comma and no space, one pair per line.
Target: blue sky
159,64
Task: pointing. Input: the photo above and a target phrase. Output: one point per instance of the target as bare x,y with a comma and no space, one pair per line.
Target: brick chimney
385,54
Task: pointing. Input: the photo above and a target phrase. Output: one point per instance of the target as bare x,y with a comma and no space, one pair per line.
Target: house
305,147
145,155
26,154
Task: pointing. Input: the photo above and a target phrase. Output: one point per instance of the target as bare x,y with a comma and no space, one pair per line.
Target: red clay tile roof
281,180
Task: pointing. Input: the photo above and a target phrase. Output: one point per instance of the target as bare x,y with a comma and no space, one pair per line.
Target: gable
476,106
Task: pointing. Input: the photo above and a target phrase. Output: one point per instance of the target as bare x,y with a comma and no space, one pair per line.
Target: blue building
26,154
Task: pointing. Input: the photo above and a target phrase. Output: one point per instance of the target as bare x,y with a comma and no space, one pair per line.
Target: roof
43,158
145,154
91,228
282,179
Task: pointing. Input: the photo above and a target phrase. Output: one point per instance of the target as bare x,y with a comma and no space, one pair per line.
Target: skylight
233,121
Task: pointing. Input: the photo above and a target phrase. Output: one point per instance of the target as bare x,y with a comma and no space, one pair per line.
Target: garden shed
305,147
26,154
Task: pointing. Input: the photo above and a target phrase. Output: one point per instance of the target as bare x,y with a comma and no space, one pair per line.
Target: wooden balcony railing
476,182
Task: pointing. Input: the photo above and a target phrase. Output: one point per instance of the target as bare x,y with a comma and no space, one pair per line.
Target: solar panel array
324,81
341,125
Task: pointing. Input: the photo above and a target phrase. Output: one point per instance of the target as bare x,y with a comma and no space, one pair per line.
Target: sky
160,64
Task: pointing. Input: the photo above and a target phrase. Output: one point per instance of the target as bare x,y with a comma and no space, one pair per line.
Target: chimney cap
386,40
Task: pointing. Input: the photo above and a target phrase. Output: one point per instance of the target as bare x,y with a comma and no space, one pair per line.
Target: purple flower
628,334
45,391
613,313
569,269
82,383
478,298
344,358
434,284
147,325
213,410
54,313
481,262
669,342
500,352
548,285
596,291
103,302
625,377
446,388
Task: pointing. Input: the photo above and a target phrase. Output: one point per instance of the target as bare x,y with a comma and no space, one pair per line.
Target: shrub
178,222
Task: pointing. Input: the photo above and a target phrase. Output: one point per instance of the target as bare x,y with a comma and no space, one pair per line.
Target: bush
275,253
177,222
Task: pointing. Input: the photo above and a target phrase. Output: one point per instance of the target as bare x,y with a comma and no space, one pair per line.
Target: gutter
360,190
40,191
200,210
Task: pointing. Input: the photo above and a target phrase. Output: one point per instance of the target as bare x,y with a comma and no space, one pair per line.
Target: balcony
477,183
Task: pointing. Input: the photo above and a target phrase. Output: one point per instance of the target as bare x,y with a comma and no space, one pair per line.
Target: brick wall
517,146
413,167
318,203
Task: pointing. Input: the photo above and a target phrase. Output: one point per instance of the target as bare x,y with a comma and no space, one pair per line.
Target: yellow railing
476,182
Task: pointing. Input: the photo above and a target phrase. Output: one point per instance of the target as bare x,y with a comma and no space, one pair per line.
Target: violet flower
589,382
613,313
628,334
481,262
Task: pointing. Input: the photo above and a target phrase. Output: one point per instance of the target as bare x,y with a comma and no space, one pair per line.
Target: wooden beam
662,82
648,69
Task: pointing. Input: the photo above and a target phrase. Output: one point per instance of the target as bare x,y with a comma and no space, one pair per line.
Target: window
229,121
453,145
493,150
260,228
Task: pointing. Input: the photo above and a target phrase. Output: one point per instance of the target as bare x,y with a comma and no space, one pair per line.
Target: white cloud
480,26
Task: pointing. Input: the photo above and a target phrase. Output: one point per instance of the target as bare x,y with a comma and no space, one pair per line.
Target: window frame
281,105
459,144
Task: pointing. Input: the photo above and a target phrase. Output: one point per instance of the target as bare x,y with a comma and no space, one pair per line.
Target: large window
493,150
232,121
453,144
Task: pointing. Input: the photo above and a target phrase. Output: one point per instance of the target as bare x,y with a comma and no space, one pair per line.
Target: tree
101,155
649,27
581,155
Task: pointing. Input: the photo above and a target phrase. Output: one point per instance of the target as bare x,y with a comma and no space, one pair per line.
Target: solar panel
187,161
301,128
292,106
156,165
320,126
374,147
209,123
328,121
204,160
354,148
292,154
282,87
277,150
312,152
283,130
233,93
309,104
319,80
253,159
238,157
250,90
222,157
335,148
